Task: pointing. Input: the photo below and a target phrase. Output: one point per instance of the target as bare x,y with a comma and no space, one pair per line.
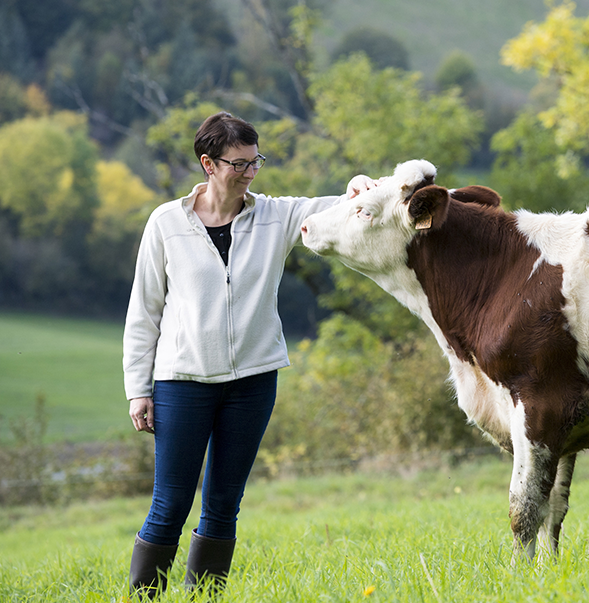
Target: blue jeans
230,418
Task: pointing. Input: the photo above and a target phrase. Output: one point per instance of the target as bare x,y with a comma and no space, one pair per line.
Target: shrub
33,472
349,395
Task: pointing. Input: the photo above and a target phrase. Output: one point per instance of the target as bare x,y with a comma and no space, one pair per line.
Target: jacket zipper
230,312
229,300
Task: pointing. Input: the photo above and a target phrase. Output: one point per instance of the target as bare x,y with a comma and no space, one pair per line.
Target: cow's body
507,298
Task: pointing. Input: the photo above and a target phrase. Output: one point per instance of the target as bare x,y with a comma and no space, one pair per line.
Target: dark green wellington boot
208,557
149,568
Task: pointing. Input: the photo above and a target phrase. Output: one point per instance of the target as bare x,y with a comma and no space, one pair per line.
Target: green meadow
434,536
430,536
75,364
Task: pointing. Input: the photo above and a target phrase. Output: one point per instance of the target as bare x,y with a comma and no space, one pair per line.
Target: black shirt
221,237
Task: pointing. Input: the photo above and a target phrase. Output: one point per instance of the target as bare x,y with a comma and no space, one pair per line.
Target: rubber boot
149,568
208,557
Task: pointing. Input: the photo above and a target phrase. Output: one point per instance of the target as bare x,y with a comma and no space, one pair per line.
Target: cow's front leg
534,470
558,506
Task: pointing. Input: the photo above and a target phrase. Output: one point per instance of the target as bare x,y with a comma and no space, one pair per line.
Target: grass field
440,536
437,536
75,364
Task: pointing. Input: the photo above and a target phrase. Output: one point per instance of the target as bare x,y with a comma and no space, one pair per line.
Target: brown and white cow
507,298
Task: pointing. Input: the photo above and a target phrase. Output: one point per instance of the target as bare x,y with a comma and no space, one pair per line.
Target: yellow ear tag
424,222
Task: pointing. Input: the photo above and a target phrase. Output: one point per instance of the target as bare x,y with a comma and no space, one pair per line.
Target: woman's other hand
359,184
141,413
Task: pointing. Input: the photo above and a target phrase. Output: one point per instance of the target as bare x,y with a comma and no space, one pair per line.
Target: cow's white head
370,232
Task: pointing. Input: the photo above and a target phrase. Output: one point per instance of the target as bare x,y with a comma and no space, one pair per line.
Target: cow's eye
362,212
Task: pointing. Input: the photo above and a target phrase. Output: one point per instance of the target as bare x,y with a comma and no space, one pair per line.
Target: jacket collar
188,201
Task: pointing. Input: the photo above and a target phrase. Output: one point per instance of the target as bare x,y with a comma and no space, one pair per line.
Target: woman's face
225,178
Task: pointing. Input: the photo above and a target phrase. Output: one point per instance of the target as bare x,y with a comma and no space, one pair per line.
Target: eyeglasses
242,166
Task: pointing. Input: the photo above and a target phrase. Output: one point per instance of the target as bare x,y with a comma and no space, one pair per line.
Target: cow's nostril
303,228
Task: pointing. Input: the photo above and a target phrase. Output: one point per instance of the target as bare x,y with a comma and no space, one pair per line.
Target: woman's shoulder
270,202
166,210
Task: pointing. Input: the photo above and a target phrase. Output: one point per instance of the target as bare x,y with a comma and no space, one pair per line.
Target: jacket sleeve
294,210
142,325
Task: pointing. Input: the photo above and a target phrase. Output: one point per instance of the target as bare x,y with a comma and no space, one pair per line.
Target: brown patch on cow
477,271
483,195
587,229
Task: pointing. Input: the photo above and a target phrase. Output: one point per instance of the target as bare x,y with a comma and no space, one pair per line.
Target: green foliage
349,394
525,173
557,50
364,301
47,204
47,173
382,49
366,121
123,61
173,138
125,205
12,98
25,466
379,118
458,69
15,46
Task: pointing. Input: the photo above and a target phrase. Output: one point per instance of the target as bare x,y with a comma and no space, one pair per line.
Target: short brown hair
221,131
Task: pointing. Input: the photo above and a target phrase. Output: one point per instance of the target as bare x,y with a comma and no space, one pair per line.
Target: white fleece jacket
192,318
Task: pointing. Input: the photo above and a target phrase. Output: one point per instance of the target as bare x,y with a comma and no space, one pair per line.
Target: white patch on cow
535,267
484,402
562,240
527,507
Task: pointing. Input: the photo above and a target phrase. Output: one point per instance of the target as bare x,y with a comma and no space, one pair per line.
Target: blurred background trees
99,103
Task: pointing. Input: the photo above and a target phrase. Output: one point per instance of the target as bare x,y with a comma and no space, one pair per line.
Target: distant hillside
431,29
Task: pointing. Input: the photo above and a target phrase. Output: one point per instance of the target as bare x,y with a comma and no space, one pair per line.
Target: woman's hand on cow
141,413
359,184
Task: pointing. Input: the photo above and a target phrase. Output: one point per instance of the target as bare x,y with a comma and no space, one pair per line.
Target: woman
202,346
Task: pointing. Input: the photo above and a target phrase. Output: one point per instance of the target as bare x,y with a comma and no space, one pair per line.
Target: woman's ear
207,164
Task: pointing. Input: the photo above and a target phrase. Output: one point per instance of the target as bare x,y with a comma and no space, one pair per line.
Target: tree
458,69
368,120
525,172
47,202
47,175
12,98
541,155
120,62
15,45
44,22
558,49
124,206
381,48
289,25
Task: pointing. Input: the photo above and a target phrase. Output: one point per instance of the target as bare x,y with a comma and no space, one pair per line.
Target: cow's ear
428,207
483,195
